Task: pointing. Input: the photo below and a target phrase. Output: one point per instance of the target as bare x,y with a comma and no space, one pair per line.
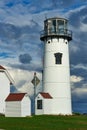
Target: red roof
45,95
2,68
15,96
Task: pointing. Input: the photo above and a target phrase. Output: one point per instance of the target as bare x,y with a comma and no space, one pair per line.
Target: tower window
53,26
39,104
58,58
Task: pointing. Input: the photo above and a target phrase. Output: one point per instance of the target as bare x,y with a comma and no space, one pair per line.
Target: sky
21,50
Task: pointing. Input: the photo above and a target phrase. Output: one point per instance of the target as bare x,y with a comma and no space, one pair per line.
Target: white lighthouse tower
56,71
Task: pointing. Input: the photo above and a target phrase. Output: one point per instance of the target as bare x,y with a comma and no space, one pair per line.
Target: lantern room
56,27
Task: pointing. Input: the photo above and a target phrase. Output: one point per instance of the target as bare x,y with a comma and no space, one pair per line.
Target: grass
44,122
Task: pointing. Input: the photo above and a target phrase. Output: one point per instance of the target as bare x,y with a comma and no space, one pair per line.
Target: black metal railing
56,32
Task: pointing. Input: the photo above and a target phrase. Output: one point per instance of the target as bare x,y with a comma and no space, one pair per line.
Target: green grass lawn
44,122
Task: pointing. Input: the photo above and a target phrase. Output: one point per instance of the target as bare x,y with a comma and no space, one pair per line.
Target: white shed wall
26,106
18,108
4,90
46,105
39,111
13,109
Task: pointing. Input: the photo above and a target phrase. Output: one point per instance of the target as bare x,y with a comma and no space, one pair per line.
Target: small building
18,105
43,103
5,80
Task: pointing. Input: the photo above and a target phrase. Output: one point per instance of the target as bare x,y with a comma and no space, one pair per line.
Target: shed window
58,58
39,104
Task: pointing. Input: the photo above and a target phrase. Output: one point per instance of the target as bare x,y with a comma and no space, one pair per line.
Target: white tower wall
56,77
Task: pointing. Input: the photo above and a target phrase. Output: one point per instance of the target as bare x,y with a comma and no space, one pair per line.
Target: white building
43,103
18,105
5,80
56,72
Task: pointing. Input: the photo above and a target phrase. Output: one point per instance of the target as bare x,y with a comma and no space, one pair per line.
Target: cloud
23,78
78,47
76,79
77,17
80,71
81,92
25,58
20,40
76,82
9,31
79,98
80,66
29,67
84,20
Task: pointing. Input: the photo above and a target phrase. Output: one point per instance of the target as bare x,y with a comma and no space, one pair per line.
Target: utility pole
35,81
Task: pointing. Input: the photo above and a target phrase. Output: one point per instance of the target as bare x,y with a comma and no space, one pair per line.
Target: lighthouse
56,67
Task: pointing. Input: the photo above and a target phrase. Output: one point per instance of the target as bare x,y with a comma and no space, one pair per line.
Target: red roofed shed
15,96
45,95
43,103
18,105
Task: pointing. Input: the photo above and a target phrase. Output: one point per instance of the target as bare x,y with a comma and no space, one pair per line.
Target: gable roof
2,69
45,95
15,96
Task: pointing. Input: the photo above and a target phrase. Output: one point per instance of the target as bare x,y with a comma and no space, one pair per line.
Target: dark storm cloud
25,58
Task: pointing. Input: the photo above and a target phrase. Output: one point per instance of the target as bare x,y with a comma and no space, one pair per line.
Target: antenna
45,16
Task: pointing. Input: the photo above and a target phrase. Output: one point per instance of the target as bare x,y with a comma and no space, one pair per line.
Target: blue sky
21,50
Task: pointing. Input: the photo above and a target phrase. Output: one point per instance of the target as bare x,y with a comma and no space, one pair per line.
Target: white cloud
80,92
83,27
79,66
76,79
18,19
74,10
18,14
27,88
23,78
